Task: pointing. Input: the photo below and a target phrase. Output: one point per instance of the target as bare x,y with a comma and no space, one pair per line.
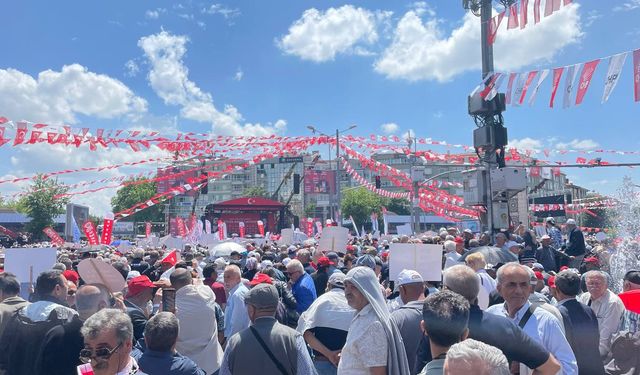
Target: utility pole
338,214
490,138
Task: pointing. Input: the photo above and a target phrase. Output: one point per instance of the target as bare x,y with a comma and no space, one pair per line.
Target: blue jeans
325,368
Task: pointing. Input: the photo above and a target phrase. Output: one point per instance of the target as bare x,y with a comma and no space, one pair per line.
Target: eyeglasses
103,353
71,293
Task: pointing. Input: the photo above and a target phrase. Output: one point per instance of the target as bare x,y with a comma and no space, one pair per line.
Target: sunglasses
103,353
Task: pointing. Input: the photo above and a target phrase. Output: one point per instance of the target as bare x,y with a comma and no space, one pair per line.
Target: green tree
399,206
15,205
132,194
256,191
40,204
360,203
310,210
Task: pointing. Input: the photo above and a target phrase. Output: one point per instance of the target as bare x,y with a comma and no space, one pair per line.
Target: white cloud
169,78
629,5
222,10
389,128
132,68
526,144
438,114
154,14
321,35
421,50
58,96
578,144
239,74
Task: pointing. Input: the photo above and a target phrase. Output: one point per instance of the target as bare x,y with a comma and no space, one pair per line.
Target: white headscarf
367,283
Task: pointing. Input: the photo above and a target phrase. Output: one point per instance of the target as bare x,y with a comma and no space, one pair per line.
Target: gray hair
295,265
502,270
462,280
449,246
597,273
89,296
478,358
161,332
59,267
108,319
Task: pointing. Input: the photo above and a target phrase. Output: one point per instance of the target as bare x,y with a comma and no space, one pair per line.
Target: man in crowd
325,324
140,292
630,296
302,285
23,335
374,344
475,357
450,254
445,322
304,256
62,343
554,232
580,322
408,316
514,286
108,336
10,300
321,275
605,304
576,248
195,309
137,261
235,316
492,329
545,254
210,274
267,347
159,356
501,241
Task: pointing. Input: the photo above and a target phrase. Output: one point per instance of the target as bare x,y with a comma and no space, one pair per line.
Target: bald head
462,280
179,278
92,298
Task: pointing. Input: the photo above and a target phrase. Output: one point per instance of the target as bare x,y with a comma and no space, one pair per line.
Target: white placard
404,230
426,259
27,264
286,237
299,237
208,239
334,239
172,242
540,230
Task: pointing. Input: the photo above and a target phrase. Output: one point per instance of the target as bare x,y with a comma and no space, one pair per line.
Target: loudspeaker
296,184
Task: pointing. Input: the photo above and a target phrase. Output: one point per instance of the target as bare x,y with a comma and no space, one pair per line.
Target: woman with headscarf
250,268
374,344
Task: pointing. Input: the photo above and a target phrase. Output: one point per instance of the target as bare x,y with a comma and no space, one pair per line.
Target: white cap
545,237
511,244
409,277
571,222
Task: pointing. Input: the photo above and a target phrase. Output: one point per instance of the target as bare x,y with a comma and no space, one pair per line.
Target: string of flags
573,93
369,186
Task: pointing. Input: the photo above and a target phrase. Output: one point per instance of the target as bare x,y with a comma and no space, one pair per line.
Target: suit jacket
138,319
581,327
575,245
8,307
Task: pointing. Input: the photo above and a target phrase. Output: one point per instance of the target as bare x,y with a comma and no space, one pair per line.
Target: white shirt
236,317
486,281
608,310
544,328
366,344
452,258
395,304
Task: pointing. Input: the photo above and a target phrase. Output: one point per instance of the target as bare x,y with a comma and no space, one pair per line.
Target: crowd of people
296,309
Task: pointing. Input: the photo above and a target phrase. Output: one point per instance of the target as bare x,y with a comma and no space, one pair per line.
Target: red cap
539,275
552,282
591,260
325,262
72,276
351,248
138,284
459,240
384,255
563,268
260,278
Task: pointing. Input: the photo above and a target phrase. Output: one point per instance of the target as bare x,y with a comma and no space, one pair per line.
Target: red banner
8,232
528,82
524,13
261,227
107,229
147,229
241,226
585,79
90,232
513,16
221,230
557,74
310,227
182,228
55,238
636,75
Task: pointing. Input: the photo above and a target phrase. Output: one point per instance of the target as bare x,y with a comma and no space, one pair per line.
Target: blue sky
259,67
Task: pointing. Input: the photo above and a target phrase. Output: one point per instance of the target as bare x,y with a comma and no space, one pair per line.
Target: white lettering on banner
585,79
613,74
572,72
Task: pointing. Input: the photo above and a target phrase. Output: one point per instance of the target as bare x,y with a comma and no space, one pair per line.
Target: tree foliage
256,191
132,194
40,204
360,203
399,206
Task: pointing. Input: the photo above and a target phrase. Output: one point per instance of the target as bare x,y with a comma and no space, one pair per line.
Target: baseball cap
511,244
260,278
459,240
538,266
539,275
593,260
563,268
325,262
571,222
71,275
262,297
409,277
138,284
551,282
550,220
468,231
545,237
332,255
337,279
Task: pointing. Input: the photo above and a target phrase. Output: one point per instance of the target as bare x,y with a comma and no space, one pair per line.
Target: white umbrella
224,249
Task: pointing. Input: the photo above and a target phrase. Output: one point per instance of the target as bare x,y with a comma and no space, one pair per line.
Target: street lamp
338,193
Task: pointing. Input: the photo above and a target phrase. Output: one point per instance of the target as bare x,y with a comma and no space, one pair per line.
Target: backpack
22,341
624,356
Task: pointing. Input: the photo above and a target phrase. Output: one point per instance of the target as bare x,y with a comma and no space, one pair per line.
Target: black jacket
138,319
60,350
575,245
581,326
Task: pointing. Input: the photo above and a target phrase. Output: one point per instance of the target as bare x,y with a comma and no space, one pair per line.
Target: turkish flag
107,229
631,300
171,258
585,79
241,226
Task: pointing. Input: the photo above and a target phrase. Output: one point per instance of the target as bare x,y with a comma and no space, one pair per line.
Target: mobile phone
169,300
